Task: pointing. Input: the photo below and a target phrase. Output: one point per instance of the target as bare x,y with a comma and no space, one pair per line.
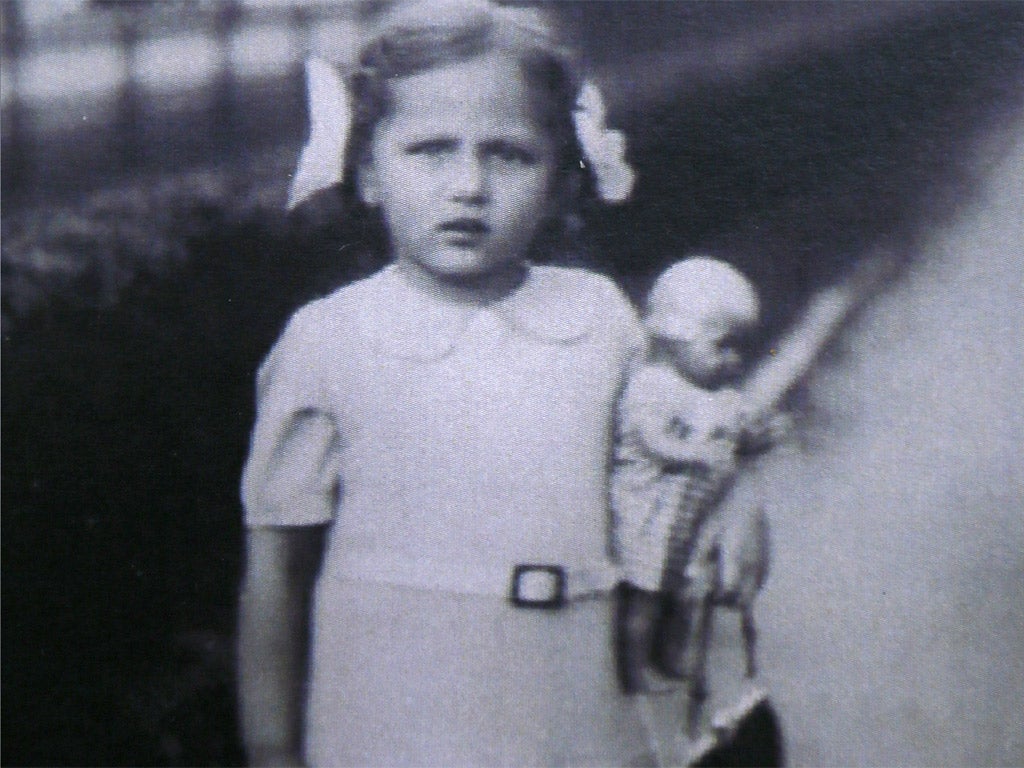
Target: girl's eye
507,152
428,148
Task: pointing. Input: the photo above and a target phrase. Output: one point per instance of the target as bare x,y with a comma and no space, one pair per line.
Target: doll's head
698,312
463,135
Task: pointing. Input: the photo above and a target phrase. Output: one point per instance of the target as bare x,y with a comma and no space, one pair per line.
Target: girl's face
460,171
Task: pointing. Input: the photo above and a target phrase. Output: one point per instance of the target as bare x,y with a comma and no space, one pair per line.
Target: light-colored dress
658,510
446,444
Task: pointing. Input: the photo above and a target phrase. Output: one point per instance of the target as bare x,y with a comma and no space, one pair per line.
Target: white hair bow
322,162
603,148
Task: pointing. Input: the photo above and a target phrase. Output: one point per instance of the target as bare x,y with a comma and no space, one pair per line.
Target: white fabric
445,442
422,678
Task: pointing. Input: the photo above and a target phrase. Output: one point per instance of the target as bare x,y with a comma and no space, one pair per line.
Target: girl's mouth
465,229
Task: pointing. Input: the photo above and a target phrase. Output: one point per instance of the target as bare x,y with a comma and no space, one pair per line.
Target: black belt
539,586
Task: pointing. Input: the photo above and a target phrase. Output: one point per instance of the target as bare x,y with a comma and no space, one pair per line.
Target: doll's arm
281,565
825,313
763,430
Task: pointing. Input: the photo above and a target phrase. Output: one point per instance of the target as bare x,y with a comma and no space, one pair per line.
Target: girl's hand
744,554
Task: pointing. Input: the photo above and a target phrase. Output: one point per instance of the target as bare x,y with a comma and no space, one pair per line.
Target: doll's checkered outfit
659,507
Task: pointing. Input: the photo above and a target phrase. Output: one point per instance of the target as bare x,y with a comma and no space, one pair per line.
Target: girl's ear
367,182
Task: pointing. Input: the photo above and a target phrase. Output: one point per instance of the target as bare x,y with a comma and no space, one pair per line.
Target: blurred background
147,265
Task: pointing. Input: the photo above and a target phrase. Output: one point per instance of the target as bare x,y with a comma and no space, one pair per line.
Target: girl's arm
280,569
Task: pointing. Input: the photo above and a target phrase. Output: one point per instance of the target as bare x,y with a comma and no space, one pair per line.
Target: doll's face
710,355
459,169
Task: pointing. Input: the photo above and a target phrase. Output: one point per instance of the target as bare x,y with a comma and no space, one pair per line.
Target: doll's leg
688,595
675,622
697,669
636,612
672,637
749,638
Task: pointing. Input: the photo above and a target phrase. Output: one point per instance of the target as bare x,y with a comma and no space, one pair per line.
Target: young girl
428,468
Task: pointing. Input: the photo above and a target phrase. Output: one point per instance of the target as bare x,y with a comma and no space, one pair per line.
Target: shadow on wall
794,173
126,411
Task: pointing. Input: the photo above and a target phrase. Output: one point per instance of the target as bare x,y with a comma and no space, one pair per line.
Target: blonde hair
417,37
421,36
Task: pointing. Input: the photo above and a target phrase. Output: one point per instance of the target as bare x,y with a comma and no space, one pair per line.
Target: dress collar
407,322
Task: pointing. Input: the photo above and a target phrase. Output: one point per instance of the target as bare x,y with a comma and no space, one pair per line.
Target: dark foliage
125,418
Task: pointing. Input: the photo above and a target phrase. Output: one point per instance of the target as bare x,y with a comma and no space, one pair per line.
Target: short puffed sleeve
292,474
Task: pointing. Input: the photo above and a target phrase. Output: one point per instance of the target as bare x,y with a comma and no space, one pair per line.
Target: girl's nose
469,179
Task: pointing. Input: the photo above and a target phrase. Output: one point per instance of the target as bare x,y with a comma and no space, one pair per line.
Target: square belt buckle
539,586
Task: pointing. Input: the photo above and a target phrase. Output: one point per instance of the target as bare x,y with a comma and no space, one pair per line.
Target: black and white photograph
512,383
